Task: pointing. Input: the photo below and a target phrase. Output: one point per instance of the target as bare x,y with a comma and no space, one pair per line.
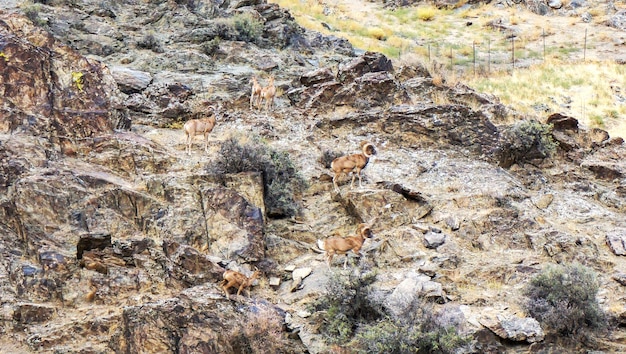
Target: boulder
617,242
514,328
129,80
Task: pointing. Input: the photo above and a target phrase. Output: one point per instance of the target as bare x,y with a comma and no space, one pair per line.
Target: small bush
377,33
211,47
281,180
419,330
249,29
426,13
526,140
149,41
563,298
32,13
348,303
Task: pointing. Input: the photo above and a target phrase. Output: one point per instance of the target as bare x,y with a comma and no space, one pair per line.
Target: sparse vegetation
211,47
526,140
347,304
32,12
150,41
357,321
563,298
426,13
249,29
537,74
261,332
282,182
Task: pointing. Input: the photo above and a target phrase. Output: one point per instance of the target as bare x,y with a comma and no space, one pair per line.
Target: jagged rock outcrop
116,240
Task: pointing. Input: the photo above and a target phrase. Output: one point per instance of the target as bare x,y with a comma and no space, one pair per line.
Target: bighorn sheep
268,93
339,245
255,95
352,163
202,126
235,279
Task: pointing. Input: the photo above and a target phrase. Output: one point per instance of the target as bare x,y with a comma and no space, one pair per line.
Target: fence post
489,56
585,47
513,51
451,60
474,59
543,34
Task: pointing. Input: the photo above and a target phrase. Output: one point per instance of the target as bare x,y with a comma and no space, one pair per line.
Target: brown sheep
352,163
340,245
235,279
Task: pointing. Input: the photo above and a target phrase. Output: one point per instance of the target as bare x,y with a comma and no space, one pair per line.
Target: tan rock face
116,240
59,89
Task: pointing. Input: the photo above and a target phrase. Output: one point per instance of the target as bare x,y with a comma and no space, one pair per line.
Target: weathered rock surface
115,240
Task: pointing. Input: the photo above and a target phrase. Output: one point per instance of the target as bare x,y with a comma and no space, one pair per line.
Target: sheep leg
206,141
335,183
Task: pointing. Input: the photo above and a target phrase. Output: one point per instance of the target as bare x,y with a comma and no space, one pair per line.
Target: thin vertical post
543,34
451,61
489,56
585,47
474,59
513,52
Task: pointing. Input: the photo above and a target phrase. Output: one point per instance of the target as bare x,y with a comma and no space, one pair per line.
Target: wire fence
503,53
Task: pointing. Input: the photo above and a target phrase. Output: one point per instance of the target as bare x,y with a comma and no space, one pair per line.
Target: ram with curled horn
342,245
354,163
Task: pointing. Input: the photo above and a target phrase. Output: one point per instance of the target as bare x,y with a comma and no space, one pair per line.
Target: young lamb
235,279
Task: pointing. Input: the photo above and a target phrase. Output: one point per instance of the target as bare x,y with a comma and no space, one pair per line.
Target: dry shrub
438,79
426,13
261,332
563,298
377,33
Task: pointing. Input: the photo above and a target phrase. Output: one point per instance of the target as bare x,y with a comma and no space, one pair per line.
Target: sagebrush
526,140
563,299
281,180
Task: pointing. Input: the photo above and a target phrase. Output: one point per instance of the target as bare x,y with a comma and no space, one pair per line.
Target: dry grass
426,13
551,78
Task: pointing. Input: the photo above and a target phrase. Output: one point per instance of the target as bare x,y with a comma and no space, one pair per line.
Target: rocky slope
114,240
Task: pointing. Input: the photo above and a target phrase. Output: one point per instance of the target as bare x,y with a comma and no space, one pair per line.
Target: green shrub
347,303
526,140
249,29
355,318
32,13
563,298
281,180
211,47
418,330
149,41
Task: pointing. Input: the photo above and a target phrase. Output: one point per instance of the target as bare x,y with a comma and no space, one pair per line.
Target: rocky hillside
113,239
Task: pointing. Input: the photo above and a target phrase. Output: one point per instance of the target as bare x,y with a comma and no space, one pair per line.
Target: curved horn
367,145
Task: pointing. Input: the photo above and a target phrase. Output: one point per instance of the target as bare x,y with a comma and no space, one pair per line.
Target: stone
544,201
617,242
514,328
434,240
129,80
